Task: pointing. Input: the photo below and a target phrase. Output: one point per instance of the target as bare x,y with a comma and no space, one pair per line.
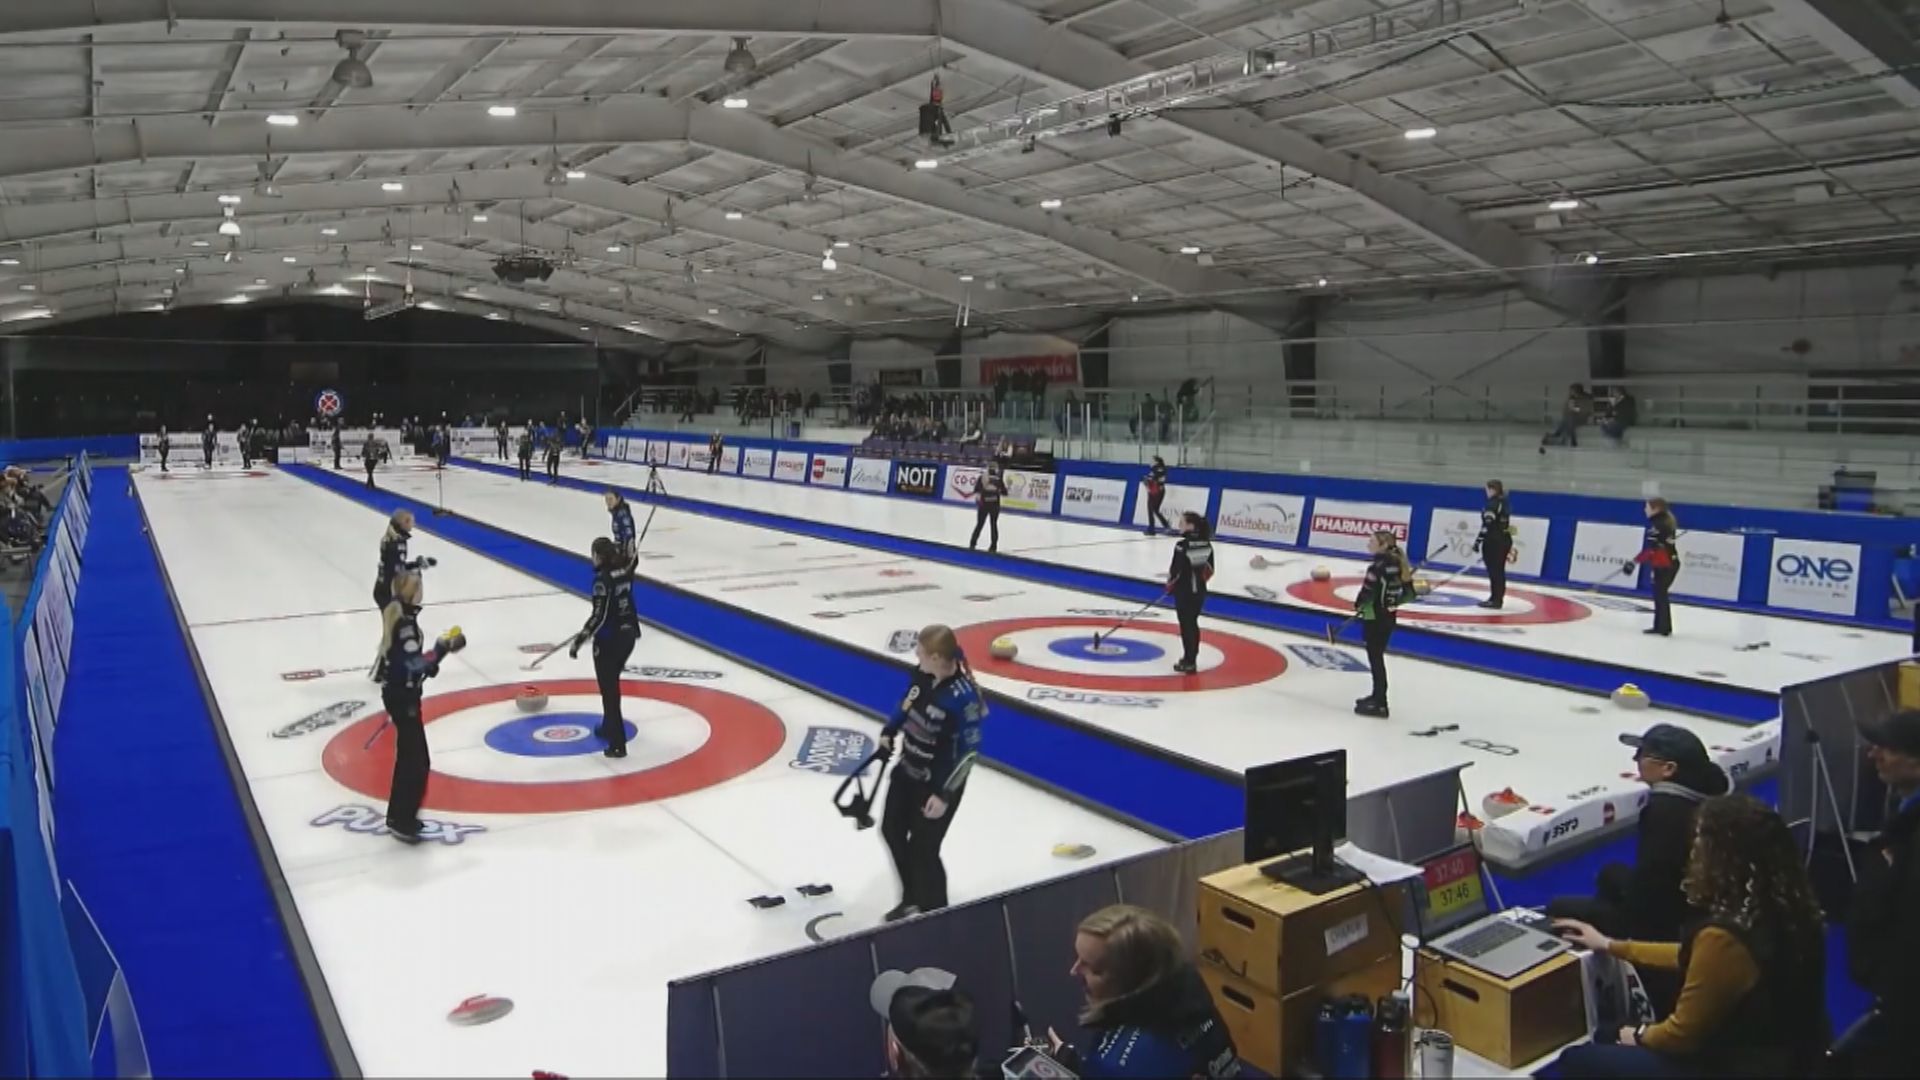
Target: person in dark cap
930,1025
1645,901
1883,923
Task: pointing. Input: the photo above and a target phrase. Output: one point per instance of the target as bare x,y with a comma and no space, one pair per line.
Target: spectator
974,435
1148,1012
1622,413
1753,971
930,1025
1645,901
1883,925
1573,413
1166,419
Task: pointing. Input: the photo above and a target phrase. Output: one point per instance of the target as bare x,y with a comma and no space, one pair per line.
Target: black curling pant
914,839
1153,511
609,661
526,467
1187,607
986,515
1662,605
1495,556
410,760
1377,633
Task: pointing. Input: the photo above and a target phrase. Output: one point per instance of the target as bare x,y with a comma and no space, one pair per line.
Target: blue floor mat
151,830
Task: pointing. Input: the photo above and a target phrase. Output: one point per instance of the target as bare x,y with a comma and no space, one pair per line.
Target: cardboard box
1510,1022
1283,940
1275,1034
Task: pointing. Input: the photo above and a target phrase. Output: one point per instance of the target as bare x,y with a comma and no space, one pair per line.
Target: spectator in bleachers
1573,413
1148,1012
1753,970
931,1030
1883,925
974,435
1622,412
1645,901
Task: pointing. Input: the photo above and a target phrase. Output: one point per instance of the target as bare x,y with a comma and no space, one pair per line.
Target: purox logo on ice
365,819
1082,697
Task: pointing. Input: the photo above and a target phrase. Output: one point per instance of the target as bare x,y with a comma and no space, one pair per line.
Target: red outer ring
1547,609
1243,662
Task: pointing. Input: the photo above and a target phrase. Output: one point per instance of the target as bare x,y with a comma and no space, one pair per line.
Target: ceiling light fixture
1136,298
734,215
479,219
1049,204
734,103
259,281
1592,259
1564,204
9,261
493,315
713,311
613,249
739,60
828,263
1421,133
393,185
289,259
329,232
416,247
283,120
819,296
966,277
200,243
576,174
842,244
229,200
927,163
1322,283
1190,250
502,111
29,287
353,71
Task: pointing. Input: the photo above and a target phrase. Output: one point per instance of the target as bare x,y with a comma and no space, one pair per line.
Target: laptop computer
1456,922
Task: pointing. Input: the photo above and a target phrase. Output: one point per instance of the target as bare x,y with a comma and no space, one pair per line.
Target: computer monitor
1297,804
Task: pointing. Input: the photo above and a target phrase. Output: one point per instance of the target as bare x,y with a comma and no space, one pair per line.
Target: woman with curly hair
1752,972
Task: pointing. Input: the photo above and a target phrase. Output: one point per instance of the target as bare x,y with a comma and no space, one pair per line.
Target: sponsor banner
1450,536
648,671
1338,525
757,462
828,471
911,478
870,474
325,718
1327,658
1029,490
790,467
891,590
832,751
1261,515
730,460
1059,367
659,451
1600,553
471,441
677,455
898,376
1810,575
962,481
1092,498
365,819
698,456
1710,565
1082,697
184,447
1180,499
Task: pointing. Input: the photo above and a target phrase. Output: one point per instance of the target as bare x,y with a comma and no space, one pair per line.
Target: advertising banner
730,460
658,451
828,471
1450,536
790,466
758,463
870,474
1180,499
1029,490
1261,515
1059,367
1809,575
1600,553
677,455
1338,525
1092,498
912,478
1710,565
962,481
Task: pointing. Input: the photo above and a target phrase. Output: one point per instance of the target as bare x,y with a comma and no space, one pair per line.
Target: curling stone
1501,803
1422,587
1003,649
531,699
1629,696
1321,573
1258,562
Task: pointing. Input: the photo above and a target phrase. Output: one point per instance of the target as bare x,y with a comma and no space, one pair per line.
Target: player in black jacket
555,442
372,453
1156,495
938,729
986,496
405,664
1187,578
1388,584
613,626
208,439
244,436
1495,543
336,445
164,439
623,535
500,436
526,452
1661,555
715,448
393,557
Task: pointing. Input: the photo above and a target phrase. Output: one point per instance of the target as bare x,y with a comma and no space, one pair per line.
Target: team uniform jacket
526,445
623,535
1657,547
613,614
989,492
1157,480
1496,523
1384,588
407,663
1192,567
393,557
939,725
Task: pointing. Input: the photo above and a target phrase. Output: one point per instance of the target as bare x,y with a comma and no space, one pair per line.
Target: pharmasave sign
1347,526
1261,515
914,479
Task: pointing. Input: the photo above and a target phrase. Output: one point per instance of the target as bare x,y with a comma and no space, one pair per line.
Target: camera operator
931,1030
1883,925
1148,1011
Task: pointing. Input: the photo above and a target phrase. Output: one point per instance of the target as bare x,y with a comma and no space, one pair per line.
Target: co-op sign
1808,575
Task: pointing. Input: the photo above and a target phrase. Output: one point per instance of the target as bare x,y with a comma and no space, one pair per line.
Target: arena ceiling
690,164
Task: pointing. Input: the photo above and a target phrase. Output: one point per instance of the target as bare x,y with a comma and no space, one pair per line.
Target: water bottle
1436,1055
1354,1058
1391,1045
1326,1037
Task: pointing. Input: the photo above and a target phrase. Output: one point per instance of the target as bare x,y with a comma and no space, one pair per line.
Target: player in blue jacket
938,729
623,536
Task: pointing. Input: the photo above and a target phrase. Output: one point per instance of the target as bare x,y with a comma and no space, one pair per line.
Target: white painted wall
888,354
1493,339
1811,322
1158,352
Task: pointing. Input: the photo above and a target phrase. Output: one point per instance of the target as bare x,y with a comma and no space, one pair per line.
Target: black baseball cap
1899,732
933,1021
1668,742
